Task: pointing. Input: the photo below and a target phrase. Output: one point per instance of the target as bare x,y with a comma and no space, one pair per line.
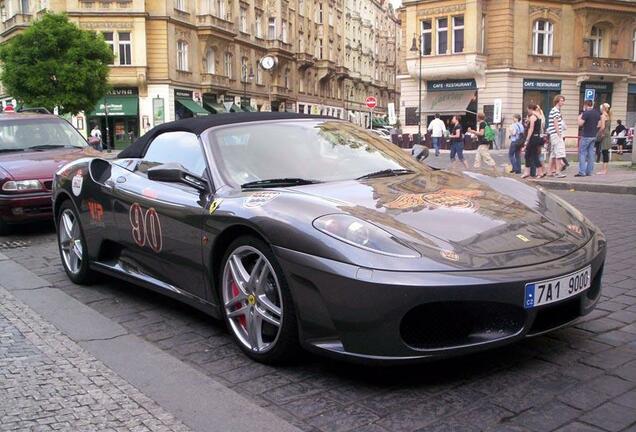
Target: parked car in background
32,147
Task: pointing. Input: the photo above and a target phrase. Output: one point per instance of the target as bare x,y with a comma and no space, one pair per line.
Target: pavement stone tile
578,427
627,400
611,417
546,417
627,371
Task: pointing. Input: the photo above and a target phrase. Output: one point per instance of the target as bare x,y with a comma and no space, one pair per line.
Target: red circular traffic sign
371,102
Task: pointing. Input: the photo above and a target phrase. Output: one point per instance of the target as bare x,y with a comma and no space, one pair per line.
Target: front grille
452,324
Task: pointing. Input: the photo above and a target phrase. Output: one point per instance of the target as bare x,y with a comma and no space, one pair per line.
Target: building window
301,7
244,69
243,20
220,9
227,65
634,46
427,38
483,34
301,43
209,62
320,50
125,51
596,42
108,38
319,14
442,36
182,55
259,74
180,5
284,30
24,7
259,25
286,78
542,38
458,34
271,28
330,17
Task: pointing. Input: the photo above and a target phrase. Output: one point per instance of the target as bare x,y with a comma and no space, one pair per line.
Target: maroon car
32,148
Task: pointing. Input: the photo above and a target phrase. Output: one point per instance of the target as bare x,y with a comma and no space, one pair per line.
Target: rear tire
256,302
72,245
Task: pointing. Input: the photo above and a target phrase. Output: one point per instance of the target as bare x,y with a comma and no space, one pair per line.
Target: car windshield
38,133
316,151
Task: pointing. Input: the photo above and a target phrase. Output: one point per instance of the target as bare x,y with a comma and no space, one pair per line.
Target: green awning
235,108
249,108
379,122
117,106
215,108
193,107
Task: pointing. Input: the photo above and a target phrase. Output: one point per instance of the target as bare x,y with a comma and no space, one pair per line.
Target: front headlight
22,186
364,235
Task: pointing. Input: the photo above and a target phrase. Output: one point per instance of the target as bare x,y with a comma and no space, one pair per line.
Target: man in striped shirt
557,144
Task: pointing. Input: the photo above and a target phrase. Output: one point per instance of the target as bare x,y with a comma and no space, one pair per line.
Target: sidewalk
621,178
64,366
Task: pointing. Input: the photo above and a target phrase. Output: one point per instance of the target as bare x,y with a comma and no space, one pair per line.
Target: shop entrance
120,108
603,93
539,92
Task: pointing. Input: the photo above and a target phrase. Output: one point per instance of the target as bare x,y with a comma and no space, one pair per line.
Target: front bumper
375,315
26,207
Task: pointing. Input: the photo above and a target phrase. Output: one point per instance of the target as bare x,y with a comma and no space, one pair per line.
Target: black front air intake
454,324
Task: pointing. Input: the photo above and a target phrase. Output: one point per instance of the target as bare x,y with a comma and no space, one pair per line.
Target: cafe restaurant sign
547,85
451,85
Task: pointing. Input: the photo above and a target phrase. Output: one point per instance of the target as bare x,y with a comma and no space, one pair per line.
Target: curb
586,187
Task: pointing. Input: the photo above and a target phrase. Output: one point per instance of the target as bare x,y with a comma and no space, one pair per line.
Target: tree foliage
55,63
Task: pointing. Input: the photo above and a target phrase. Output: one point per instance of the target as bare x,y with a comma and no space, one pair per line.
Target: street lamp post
245,78
415,47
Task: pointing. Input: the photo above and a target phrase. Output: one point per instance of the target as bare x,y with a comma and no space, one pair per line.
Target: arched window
209,62
182,55
542,38
596,42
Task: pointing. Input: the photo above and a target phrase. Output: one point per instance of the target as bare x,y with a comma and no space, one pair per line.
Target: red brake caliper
235,293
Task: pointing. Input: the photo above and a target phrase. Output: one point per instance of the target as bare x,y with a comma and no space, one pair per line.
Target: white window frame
182,56
210,61
596,42
180,5
283,31
243,19
259,25
548,38
634,46
426,32
111,43
227,64
124,44
301,7
455,28
271,28
483,34
259,74
440,30
219,9
319,14
320,49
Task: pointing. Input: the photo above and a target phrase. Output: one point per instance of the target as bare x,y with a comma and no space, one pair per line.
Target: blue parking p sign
590,94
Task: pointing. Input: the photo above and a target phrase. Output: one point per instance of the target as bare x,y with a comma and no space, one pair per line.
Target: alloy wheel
252,299
70,241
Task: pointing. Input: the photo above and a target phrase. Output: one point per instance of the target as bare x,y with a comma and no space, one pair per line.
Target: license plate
552,290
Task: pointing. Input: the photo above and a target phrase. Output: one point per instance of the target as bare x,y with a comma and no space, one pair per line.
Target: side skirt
116,270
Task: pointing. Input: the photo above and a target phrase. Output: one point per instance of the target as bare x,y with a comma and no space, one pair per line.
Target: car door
162,222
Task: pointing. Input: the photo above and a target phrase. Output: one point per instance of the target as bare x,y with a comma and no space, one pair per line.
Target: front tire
72,245
257,305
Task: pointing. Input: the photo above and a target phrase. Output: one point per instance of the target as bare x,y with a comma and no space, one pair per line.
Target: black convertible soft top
197,125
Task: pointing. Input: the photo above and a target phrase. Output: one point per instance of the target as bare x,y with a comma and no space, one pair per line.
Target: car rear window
41,133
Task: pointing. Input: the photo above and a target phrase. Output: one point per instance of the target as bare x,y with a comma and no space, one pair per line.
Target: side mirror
175,173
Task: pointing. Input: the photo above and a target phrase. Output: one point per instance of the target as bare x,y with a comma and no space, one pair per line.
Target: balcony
210,24
604,65
445,67
342,72
366,78
216,81
304,60
325,69
14,23
277,46
280,91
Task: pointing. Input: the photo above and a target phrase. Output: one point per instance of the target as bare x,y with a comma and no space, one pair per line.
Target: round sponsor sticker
76,184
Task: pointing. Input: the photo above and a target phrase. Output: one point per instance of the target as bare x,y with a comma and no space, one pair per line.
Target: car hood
471,219
40,164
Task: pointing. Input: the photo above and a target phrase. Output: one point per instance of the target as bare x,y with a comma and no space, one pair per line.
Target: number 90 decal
146,227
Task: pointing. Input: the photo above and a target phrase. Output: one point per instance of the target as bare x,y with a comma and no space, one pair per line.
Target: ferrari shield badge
259,199
76,184
215,205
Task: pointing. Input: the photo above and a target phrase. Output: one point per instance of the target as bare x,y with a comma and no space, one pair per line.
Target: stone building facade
179,58
486,55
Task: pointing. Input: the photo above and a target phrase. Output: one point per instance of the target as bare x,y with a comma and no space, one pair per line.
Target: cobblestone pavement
47,382
578,379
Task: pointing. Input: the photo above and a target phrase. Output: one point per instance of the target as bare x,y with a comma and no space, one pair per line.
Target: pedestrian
604,137
533,142
485,136
516,131
589,120
96,134
620,133
437,129
555,132
457,142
